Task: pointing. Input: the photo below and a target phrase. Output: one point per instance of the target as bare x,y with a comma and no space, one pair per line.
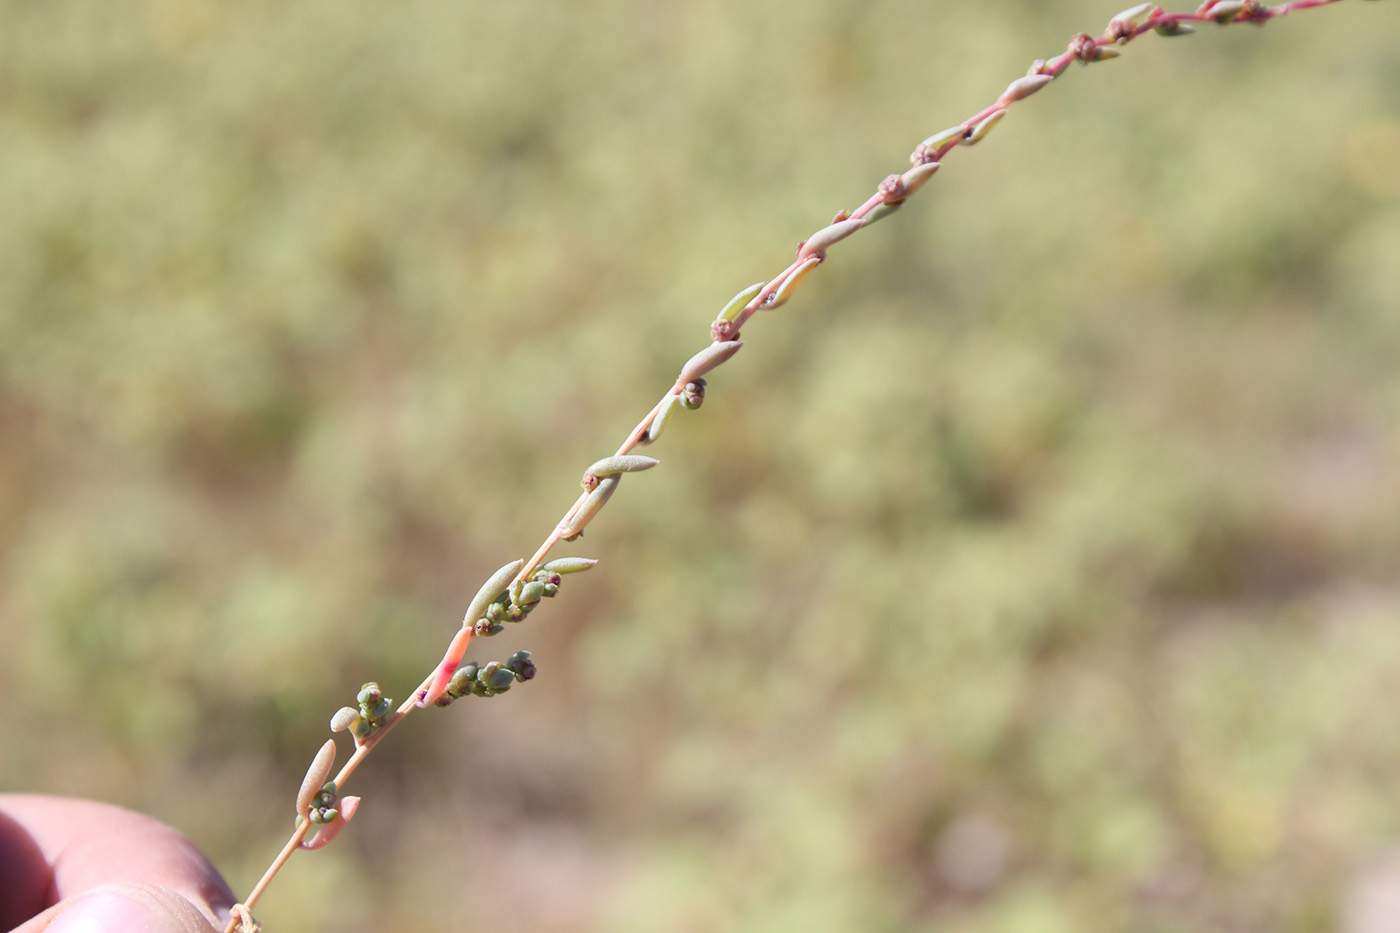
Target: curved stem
1054,67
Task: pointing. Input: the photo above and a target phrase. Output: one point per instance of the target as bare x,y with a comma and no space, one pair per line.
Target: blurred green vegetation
1034,571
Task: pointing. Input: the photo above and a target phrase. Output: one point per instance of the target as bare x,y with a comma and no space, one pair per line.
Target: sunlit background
1034,570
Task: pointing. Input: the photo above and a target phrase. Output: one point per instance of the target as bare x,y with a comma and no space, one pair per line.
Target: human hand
77,866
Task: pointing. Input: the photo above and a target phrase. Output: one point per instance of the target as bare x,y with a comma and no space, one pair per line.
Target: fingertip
128,908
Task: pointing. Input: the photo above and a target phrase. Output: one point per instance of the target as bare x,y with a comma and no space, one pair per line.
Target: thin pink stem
1054,67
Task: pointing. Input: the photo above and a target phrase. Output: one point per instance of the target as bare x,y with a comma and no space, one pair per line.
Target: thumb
127,908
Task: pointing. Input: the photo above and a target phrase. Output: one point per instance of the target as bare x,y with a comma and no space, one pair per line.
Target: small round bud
551,589
378,710
928,150
516,613
461,682
501,680
1083,48
721,331
495,612
892,189
693,395
531,592
369,694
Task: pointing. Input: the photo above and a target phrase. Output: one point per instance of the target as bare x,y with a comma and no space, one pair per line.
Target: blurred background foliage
1034,571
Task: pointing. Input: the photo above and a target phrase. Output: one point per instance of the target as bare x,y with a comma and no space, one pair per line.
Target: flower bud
531,592
693,395
891,191
521,665
461,683
326,797
335,824
1125,25
927,150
